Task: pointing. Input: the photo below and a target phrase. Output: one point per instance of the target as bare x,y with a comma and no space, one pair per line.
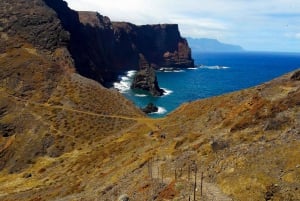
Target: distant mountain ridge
212,45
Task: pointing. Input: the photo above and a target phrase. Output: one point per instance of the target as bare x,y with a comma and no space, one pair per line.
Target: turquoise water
219,73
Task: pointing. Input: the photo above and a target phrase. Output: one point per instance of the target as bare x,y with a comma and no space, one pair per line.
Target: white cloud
201,27
200,22
159,11
297,35
292,35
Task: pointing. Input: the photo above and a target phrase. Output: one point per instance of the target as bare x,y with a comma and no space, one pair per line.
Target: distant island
212,45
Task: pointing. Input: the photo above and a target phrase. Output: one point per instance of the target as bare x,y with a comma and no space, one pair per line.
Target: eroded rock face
161,44
112,47
30,22
296,76
145,79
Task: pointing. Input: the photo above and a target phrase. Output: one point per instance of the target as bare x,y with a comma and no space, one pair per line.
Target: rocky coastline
113,47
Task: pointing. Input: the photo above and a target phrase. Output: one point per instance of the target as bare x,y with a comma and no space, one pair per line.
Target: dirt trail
210,191
151,123
143,120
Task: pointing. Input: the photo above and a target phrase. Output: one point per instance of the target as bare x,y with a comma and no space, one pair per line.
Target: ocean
215,74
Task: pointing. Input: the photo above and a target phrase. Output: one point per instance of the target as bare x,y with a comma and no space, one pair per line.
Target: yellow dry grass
80,141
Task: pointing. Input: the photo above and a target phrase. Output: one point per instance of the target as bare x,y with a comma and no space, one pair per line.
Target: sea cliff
112,47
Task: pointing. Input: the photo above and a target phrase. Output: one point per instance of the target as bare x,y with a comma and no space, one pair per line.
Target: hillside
72,148
66,137
212,45
248,141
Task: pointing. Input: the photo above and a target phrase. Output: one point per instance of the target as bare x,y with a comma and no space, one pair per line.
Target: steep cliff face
111,47
89,59
110,51
161,44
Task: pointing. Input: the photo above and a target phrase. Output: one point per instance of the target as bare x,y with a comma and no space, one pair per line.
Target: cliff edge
113,47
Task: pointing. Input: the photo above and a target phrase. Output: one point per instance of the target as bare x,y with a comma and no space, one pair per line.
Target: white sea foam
140,95
125,78
214,67
123,85
161,110
167,91
192,68
178,71
131,73
171,70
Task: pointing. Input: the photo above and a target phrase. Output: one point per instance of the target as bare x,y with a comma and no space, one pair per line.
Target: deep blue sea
216,74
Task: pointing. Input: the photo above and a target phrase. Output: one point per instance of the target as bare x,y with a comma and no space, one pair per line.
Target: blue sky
263,25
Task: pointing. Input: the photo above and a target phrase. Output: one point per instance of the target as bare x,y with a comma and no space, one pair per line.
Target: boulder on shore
150,108
296,76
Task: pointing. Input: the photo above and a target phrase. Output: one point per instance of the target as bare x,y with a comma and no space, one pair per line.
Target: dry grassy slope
47,112
248,141
79,141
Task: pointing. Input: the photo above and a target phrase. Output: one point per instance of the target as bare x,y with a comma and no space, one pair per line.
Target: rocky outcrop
39,26
296,76
145,79
161,44
150,108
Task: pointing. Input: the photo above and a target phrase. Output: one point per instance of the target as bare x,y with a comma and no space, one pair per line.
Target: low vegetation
65,137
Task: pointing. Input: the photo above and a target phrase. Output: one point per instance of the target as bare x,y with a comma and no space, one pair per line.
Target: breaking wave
214,67
123,85
140,95
167,91
161,110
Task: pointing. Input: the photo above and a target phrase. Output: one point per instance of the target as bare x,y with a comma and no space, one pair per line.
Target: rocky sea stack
145,79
